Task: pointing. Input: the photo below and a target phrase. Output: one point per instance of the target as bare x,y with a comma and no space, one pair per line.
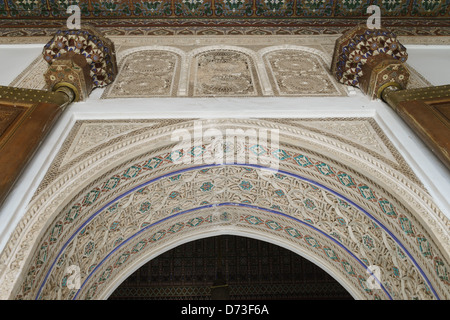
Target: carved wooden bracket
371,59
81,60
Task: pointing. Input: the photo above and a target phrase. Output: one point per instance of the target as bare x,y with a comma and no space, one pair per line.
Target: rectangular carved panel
443,110
10,116
7,116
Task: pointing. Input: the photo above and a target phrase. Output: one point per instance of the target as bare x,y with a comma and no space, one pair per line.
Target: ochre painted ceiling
408,17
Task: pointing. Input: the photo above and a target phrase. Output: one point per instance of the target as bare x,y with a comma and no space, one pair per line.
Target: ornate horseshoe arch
122,198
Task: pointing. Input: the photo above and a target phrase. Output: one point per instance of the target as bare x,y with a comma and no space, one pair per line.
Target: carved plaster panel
147,74
223,73
294,71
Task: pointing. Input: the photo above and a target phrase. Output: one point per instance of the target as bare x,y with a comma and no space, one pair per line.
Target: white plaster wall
15,58
432,62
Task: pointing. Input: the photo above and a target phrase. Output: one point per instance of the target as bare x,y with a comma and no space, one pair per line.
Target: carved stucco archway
109,205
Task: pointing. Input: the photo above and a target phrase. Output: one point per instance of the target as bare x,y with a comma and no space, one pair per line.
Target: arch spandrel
89,186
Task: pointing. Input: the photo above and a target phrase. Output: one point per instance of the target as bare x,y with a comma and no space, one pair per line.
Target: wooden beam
26,117
427,112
